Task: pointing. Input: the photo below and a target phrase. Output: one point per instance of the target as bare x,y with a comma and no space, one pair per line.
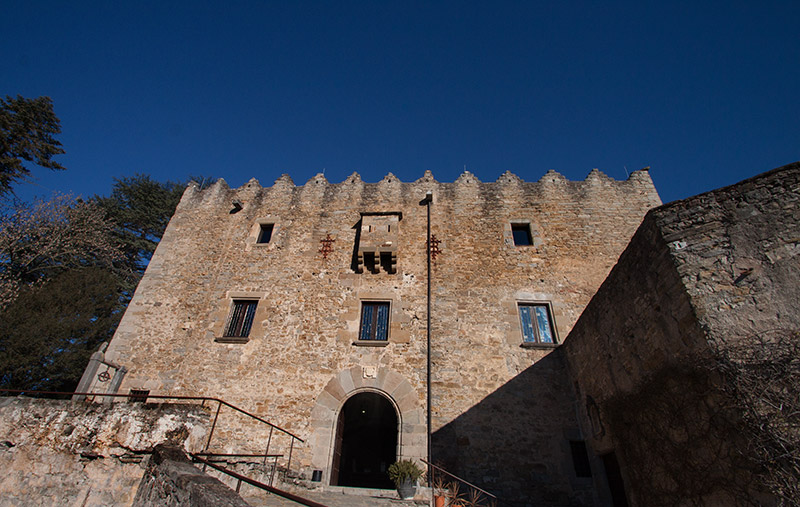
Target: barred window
241,318
374,321
537,323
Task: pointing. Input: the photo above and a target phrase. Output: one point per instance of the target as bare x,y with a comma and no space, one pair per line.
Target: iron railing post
269,441
289,463
213,425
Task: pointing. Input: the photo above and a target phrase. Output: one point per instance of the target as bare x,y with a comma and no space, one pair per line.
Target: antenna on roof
626,171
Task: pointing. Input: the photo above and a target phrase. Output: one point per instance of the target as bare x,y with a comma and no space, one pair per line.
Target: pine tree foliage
141,208
27,130
49,331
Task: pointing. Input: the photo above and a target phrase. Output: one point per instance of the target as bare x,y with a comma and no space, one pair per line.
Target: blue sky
705,93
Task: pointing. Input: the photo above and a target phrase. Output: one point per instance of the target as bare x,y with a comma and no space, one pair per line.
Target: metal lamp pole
427,202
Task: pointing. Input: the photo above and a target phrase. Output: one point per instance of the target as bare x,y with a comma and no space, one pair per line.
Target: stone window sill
534,345
231,339
371,343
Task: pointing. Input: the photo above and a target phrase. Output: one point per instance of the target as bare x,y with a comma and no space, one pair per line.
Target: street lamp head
428,198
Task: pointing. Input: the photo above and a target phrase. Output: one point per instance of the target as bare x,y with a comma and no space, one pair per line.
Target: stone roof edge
466,178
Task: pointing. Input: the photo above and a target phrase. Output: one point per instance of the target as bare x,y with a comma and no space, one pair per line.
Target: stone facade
310,260
700,277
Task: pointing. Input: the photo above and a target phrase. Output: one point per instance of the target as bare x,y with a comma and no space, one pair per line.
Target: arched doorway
366,442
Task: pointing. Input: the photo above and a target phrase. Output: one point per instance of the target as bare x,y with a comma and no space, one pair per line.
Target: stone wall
737,251
698,276
303,359
86,454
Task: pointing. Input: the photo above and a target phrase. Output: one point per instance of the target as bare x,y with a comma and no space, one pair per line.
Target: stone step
335,496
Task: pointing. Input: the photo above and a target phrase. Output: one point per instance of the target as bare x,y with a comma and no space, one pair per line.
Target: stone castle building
584,350
307,305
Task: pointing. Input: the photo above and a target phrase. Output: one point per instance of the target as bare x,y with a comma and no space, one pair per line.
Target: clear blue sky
706,93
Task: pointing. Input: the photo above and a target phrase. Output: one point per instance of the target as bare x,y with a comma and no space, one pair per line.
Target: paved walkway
335,497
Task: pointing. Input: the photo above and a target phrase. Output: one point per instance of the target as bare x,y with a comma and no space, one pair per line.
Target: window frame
374,340
537,341
256,231
247,320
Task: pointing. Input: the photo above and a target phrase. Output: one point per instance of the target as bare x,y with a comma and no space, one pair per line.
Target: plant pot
439,500
406,489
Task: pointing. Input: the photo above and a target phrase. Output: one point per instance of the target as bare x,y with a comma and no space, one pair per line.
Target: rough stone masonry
297,302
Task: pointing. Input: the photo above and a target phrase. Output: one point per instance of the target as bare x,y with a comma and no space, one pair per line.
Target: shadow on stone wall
515,442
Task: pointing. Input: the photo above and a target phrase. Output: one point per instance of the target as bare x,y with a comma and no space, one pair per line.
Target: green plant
403,470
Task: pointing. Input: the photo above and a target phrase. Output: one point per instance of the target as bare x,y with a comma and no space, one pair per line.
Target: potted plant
404,474
439,491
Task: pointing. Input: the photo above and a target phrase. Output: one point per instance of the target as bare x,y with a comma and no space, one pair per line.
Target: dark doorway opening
366,442
615,484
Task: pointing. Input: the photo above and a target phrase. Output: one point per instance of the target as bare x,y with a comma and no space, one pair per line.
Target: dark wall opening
366,442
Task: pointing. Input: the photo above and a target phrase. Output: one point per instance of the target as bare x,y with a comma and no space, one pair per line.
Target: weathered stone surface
66,453
170,479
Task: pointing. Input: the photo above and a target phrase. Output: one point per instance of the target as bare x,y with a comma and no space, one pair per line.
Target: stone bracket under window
378,242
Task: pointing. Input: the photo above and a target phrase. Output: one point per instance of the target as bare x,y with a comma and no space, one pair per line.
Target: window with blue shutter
537,323
374,321
241,319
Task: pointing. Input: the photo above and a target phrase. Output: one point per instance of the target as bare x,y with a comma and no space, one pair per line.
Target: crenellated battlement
552,185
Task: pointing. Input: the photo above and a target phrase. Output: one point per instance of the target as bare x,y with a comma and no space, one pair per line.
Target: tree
49,331
27,129
67,271
39,240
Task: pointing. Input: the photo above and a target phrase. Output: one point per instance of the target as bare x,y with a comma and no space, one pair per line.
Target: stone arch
412,438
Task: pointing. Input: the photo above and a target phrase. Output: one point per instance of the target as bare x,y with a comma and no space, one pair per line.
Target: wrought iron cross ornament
327,246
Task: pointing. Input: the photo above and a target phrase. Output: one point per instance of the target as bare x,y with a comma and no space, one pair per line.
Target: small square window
522,234
241,319
537,323
265,233
374,321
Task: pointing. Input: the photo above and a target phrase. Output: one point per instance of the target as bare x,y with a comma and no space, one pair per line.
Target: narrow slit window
374,321
522,234
580,458
241,319
536,323
265,233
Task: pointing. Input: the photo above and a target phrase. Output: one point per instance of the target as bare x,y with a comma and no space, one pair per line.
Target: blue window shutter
527,326
366,322
382,331
543,323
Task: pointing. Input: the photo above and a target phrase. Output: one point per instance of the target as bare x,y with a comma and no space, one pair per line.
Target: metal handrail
159,397
261,485
185,398
459,479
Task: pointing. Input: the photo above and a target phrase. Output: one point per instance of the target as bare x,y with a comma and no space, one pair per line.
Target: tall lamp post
427,203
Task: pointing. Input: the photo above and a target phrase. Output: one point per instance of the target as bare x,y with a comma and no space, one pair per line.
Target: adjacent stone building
685,363
307,305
